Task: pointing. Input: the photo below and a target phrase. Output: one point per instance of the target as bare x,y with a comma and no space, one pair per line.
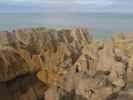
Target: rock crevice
64,64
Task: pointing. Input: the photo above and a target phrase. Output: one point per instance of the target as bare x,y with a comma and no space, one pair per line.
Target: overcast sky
66,6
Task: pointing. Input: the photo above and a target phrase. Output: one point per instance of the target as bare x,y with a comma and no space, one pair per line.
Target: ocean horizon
100,25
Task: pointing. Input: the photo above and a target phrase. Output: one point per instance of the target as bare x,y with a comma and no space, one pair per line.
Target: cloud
96,2
72,5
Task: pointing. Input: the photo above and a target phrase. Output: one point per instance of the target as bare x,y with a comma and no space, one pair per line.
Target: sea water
100,25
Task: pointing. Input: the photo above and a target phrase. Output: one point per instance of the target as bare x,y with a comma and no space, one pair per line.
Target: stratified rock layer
64,64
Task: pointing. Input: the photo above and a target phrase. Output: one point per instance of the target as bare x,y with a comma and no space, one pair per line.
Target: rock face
64,64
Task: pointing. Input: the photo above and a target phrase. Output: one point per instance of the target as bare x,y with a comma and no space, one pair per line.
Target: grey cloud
116,6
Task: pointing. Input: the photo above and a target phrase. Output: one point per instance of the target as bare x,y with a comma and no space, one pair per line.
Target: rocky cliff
65,64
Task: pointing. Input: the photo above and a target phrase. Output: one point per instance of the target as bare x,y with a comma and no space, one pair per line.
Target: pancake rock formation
65,64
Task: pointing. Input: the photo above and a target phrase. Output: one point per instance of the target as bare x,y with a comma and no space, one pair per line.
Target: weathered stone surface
64,64
12,64
130,70
105,58
26,87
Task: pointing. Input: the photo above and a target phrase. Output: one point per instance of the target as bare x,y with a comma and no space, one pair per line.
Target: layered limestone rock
64,64
32,60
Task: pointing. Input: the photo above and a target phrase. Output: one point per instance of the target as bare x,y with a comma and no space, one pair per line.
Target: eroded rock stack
64,64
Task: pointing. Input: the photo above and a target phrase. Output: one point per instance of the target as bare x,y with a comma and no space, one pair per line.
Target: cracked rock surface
65,64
